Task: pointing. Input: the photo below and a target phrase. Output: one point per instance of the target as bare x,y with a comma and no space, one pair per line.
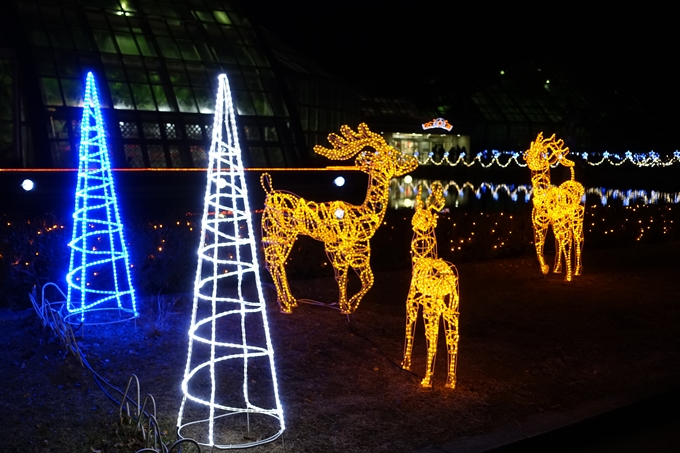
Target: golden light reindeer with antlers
345,229
434,286
562,206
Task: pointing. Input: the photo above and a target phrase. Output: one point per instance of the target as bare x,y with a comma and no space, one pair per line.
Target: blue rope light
99,272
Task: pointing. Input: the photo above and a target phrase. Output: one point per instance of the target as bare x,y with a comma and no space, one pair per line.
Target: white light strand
524,191
227,286
502,159
99,271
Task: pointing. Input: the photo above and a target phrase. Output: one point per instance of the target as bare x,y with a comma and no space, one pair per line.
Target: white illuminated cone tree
230,397
99,286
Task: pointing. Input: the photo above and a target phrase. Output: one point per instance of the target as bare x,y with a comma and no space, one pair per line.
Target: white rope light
229,334
524,191
502,159
98,278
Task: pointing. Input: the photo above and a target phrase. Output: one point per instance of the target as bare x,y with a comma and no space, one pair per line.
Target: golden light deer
434,286
345,229
562,206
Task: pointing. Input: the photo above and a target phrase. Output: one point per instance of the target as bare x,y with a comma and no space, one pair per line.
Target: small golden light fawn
562,207
345,229
434,285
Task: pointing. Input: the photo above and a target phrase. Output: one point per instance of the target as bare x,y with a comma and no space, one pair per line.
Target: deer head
382,159
426,216
545,152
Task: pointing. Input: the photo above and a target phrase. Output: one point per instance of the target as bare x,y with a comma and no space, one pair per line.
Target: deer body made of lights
345,229
433,282
559,206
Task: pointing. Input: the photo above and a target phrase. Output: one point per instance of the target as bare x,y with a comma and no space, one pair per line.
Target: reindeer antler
351,143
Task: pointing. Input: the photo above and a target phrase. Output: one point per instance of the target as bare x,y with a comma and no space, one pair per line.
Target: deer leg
452,336
431,319
578,241
568,241
541,224
277,246
559,249
362,266
412,306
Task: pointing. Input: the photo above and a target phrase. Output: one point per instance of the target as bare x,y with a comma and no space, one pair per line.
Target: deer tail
266,182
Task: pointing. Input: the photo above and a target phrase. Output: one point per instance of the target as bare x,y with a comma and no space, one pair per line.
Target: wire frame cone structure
229,382
98,279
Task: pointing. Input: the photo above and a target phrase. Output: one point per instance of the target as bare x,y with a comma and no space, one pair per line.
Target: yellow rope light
434,281
560,206
345,229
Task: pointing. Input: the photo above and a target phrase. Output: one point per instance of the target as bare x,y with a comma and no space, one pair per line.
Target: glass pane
120,94
142,96
144,45
199,156
252,133
177,72
133,155
277,104
150,8
270,134
243,56
168,47
205,51
7,150
126,43
194,131
261,104
276,157
161,98
156,156
224,53
178,30
205,99
51,93
197,75
81,39
159,27
252,79
175,157
243,104
151,130
60,37
259,59
128,129
185,100
57,128
104,41
67,66
204,16
73,92
188,50
153,69
61,154
257,158
39,38
222,17
171,131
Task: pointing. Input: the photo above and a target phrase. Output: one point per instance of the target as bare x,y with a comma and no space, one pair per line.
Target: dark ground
531,345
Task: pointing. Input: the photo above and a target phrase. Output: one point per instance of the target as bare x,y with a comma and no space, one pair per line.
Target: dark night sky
395,48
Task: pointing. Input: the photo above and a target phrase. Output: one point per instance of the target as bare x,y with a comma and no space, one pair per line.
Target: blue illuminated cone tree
99,285
229,383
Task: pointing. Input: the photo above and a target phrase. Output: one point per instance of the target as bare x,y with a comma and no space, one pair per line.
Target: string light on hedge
228,319
98,278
